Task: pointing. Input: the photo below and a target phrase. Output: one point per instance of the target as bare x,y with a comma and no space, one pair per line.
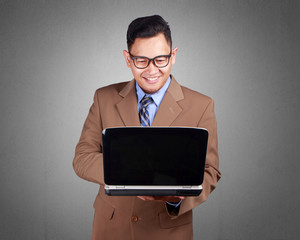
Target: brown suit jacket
129,217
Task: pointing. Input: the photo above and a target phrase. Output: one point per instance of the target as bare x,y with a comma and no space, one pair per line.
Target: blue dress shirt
157,98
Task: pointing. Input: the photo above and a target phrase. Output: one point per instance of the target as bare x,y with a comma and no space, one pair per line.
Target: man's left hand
173,199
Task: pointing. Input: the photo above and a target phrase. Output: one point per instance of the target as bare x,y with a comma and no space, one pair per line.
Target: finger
146,198
171,198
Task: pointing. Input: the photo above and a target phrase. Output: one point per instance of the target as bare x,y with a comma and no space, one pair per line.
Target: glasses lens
161,61
141,62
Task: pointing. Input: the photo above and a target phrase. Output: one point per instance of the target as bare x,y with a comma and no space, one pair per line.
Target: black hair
145,27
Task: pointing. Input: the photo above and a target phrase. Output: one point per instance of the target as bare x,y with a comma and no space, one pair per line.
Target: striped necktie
144,114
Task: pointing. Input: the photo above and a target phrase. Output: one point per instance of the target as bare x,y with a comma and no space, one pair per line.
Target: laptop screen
154,155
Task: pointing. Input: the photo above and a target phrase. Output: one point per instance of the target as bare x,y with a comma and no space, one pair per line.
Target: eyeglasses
143,62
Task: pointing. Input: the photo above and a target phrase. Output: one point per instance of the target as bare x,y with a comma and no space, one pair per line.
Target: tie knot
146,101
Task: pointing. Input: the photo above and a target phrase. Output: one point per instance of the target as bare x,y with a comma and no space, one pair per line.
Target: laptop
154,161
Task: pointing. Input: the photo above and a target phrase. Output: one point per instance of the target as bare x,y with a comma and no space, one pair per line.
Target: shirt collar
157,96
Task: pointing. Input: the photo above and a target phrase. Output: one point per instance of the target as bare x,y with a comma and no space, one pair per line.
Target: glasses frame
150,60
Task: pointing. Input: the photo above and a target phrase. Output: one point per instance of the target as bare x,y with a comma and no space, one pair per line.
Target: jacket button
134,218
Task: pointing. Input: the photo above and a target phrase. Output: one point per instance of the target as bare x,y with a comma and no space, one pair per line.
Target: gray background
244,54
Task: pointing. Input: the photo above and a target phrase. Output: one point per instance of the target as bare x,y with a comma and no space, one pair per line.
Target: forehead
151,47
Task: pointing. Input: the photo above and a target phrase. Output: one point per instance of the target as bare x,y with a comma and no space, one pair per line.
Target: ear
173,57
127,58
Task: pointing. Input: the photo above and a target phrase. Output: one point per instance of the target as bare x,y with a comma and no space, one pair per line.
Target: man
150,57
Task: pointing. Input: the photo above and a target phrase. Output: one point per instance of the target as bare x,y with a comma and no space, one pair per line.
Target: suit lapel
169,109
127,107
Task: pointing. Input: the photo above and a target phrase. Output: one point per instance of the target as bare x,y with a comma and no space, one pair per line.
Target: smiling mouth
152,79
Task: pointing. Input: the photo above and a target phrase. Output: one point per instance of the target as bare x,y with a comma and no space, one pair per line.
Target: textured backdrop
244,54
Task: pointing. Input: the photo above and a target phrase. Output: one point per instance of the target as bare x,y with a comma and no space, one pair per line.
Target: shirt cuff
174,204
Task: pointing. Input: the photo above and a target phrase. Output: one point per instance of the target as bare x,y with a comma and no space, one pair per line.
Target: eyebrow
149,57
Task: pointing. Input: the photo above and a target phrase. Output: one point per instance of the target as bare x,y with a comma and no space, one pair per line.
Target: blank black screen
154,155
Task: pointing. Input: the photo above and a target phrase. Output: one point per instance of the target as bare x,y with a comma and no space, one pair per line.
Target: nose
152,68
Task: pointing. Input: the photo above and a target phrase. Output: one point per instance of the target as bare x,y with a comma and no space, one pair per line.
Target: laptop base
152,192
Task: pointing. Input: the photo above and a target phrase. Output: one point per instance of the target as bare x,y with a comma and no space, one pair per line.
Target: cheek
166,70
136,72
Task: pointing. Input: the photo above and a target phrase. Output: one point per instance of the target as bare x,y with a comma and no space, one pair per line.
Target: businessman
152,98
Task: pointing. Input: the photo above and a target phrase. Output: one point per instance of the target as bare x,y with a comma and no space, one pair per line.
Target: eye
141,60
161,59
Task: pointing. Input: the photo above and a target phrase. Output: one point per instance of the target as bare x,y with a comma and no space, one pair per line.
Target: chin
150,90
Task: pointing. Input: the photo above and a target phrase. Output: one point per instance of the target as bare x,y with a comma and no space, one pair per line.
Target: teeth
152,79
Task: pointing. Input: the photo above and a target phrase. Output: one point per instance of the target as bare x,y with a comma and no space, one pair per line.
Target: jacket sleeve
211,174
88,160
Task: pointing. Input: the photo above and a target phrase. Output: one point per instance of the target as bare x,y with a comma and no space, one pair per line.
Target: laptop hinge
188,187
120,187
